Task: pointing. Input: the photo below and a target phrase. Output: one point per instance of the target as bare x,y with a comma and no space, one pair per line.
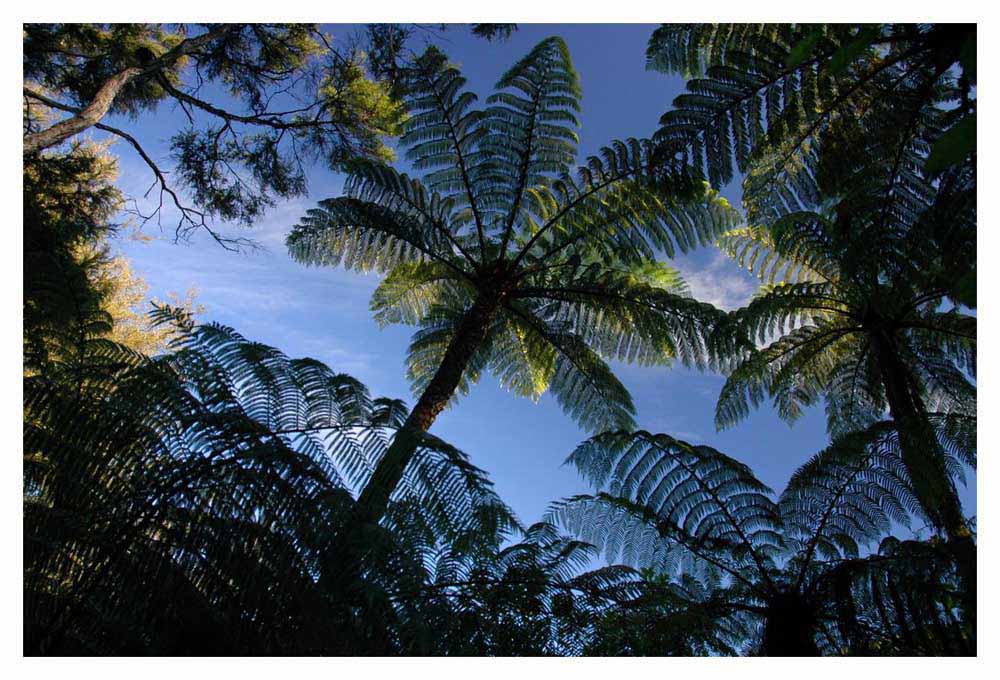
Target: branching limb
99,106
190,218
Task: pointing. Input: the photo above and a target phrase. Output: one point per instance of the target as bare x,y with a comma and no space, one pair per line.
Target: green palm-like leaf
848,495
718,554
365,236
768,100
196,504
509,262
697,500
856,313
408,293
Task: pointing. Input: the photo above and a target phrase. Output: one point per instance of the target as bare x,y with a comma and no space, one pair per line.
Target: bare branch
190,219
99,106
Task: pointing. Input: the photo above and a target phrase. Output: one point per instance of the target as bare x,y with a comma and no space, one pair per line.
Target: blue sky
323,313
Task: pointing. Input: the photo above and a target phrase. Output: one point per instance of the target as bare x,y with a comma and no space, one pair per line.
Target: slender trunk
343,566
924,460
922,455
471,333
789,628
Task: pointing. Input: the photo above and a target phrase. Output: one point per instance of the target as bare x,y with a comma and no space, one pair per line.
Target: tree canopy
190,491
262,100
509,262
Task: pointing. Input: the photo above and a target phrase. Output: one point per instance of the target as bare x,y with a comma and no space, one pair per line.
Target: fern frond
212,484
765,98
704,499
848,496
365,237
623,313
531,122
580,380
793,370
624,202
409,291
901,600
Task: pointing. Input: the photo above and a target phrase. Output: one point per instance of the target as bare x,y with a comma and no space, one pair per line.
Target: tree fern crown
564,262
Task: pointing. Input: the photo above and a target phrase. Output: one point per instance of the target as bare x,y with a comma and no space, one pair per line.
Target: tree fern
857,320
195,503
719,555
765,99
216,475
506,260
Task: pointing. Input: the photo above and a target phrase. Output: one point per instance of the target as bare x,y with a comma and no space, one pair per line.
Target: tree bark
88,117
99,106
918,443
471,333
789,628
925,463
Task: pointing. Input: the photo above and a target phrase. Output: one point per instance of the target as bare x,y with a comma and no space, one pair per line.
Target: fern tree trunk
924,460
471,333
789,628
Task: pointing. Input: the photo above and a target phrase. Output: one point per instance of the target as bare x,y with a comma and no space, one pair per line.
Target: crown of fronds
837,283
565,259
193,503
667,504
770,100
697,521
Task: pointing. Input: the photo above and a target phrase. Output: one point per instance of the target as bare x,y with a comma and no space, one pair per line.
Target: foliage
70,205
188,491
190,504
125,297
494,32
838,296
730,570
69,202
765,99
285,97
509,263
858,320
860,189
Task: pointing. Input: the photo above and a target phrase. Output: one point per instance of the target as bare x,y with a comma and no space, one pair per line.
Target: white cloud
719,282
320,312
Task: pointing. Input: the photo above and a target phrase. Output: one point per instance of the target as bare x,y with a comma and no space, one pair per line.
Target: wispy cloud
719,281
320,312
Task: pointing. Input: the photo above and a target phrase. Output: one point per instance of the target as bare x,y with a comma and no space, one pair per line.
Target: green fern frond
365,237
848,496
496,252
211,485
409,291
765,98
699,500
